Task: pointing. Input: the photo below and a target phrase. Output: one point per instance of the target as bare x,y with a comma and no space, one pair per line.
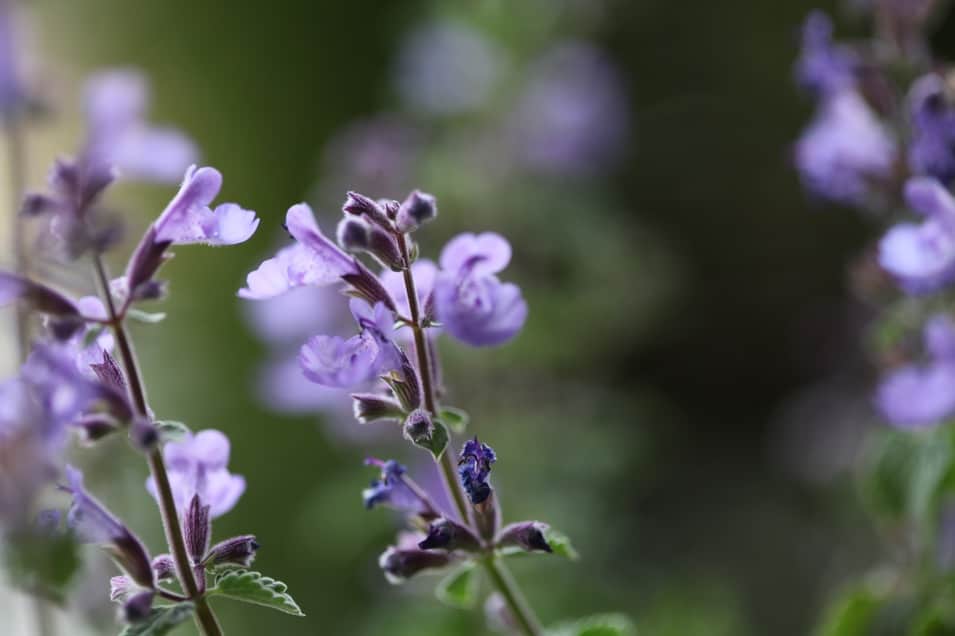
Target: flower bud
109,373
417,209
235,551
400,565
369,407
352,234
164,567
528,536
444,534
96,426
121,588
360,205
487,517
366,285
138,606
197,525
144,434
418,427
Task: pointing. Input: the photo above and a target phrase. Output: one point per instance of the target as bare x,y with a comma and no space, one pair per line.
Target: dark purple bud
366,285
527,535
96,426
444,534
401,565
35,204
66,328
352,234
369,407
417,209
164,567
235,551
150,290
360,205
145,261
197,526
383,246
390,206
109,373
356,235
138,606
38,296
144,434
418,427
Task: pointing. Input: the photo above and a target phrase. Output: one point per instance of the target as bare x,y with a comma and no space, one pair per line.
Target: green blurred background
674,403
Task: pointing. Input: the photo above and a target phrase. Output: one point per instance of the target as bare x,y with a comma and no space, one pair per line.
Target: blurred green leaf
161,620
252,587
560,544
43,564
460,588
456,419
171,431
598,625
851,614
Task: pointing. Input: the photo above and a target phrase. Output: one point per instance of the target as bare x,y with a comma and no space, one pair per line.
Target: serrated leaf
460,588
560,544
145,316
252,587
598,625
456,419
161,620
171,431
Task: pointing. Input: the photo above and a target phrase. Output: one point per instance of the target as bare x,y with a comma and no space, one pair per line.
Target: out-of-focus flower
392,491
469,301
118,135
921,257
95,524
446,68
474,468
198,465
932,114
12,92
823,67
572,118
844,149
922,395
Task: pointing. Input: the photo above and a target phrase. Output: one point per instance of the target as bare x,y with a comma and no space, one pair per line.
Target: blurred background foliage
687,394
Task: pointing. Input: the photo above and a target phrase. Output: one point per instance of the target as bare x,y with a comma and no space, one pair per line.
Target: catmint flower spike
370,407
474,468
400,565
197,526
527,535
415,211
444,534
235,551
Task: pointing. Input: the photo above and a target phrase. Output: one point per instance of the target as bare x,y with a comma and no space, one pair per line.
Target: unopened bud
401,565
360,205
138,606
164,567
197,525
235,551
417,209
144,434
528,535
444,534
370,407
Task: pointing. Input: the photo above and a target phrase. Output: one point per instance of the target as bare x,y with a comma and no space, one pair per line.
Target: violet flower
932,115
823,67
197,465
922,257
469,301
917,396
474,468
119,136
392,491
844,149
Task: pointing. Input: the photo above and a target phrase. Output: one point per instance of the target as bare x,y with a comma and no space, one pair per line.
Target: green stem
500,577
205,617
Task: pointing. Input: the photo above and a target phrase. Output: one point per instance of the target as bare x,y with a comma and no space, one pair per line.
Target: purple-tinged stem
497,572
205,617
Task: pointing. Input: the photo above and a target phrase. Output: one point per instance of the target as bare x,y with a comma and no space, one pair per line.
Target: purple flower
922,257
313,260
446,68
916,396
392,490
824,68
118,135
335,362
474,468
198,466
189,219
469,301
93,523
932,150
573,116
844,149
424,272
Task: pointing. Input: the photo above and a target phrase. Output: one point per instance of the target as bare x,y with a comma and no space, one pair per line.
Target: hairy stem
205,617
500,577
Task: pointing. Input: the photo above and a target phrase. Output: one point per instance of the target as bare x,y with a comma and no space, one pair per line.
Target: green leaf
170,431
436,440
145,316
455,419
598,625
460,588
42,564
850,615
253,587
560,544
161,620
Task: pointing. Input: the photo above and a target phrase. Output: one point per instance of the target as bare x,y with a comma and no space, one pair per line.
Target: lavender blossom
823,67
392,490
119,136
932,114
474,468
469,301
922,257
197,465
95,524
917,396
844,149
